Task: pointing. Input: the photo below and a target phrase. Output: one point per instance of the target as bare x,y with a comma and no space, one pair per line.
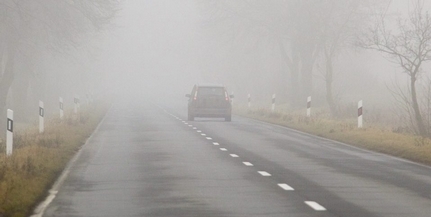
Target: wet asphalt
148,160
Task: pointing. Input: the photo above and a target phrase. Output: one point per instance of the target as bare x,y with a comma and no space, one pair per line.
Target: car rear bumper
210,112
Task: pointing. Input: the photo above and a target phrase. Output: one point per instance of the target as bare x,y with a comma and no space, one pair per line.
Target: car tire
228,118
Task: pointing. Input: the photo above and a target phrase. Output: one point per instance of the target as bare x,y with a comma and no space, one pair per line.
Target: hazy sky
158,47
154,47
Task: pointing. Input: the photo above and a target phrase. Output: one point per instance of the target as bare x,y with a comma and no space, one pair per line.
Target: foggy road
147,160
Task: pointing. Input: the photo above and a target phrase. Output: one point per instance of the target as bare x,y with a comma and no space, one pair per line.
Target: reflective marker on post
41,117
273,103
9,133
249,100
309,106
360,114
61,108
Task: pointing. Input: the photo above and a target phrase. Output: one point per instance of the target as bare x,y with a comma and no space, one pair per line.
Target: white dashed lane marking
248,164
215,143
203,134
263,173
286,187
315,206
199,131
194,128
209,138
234,155
223,149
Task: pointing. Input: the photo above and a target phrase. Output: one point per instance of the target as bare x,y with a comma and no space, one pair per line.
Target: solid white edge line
285,187
40,209
315,206
248,164
264,173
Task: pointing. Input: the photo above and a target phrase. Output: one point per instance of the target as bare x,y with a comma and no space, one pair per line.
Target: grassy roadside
38,159
372,137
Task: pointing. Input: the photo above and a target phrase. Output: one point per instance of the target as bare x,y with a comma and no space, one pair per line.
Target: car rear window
211,91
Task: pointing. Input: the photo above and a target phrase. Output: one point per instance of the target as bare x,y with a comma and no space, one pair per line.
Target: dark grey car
209,101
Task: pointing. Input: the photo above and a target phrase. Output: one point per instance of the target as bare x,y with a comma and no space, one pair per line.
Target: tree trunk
294,80
5,83
292,64
418,117
306,74
329,94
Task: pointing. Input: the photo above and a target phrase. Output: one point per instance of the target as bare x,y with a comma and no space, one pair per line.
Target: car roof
209,85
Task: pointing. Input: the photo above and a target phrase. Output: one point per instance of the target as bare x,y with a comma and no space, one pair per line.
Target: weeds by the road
373,137
38,159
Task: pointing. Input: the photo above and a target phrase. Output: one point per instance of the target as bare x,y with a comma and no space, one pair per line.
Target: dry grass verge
376,138
38,159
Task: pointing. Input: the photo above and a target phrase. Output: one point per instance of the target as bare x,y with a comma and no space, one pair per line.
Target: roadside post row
360,109
9,121
314,205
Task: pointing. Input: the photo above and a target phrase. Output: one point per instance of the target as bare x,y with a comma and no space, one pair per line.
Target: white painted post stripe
61,108
209,138
360,112
223,149
9,133
273,103
315,206
41,117
309,106
249,99
248,164
234,155
215,143
263,173
286,187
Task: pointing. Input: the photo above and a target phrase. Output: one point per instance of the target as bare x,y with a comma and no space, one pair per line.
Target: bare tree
27,28
409,46
341,22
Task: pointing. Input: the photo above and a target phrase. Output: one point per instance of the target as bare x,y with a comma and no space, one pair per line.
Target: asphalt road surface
147,160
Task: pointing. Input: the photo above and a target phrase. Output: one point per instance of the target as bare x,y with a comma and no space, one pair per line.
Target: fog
159,49
154,51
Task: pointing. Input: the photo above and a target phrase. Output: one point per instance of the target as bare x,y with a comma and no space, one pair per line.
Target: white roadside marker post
309,106
61,108
273,103
41,117
231,99
360,114
249,100
9,133
87,97
76,101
